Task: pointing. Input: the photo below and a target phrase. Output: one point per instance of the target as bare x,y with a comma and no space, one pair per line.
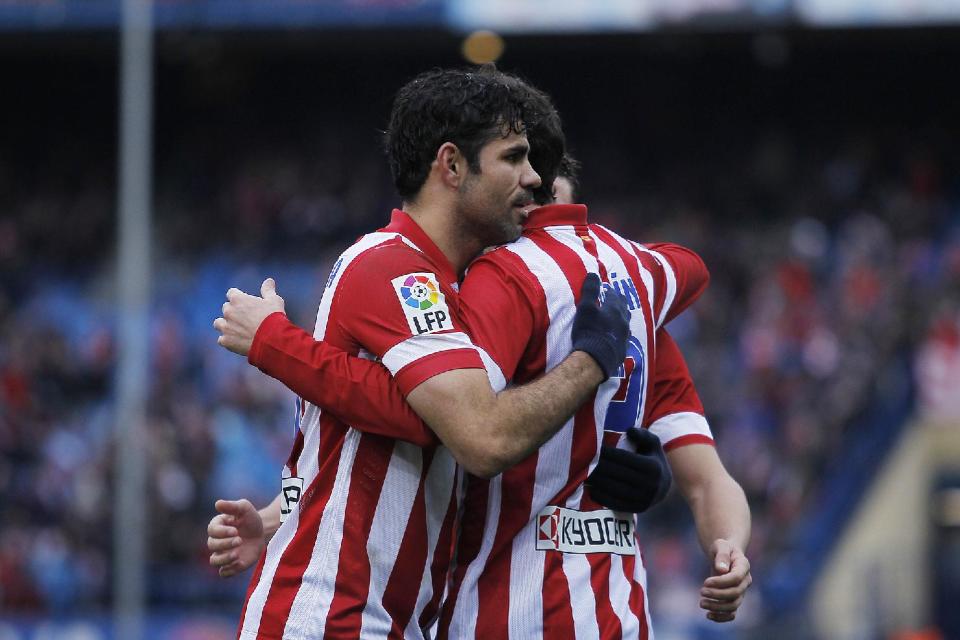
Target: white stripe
677,425
438,488
308,615
497,380
311,420
620,597
553,461
583,601
638,329
671,280
275,548
310,446
400,486
416,347
640,576
306,469
631,248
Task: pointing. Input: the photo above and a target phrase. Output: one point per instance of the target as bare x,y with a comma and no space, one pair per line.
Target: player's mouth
525,205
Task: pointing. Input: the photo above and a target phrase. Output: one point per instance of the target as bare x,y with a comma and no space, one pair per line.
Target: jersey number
624,409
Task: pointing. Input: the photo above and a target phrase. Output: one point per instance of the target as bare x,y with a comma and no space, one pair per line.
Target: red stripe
493,587
442,562
636,591
607,620
591,247
353,568
399,596
693,438
516,492
630,258
558,614
467,546
656,270
295,453
557,602
289,574
585,437
630,261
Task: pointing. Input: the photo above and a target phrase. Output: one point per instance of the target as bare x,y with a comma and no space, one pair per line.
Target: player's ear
451,164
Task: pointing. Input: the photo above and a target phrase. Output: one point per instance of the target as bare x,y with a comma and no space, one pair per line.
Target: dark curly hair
467,107
570,169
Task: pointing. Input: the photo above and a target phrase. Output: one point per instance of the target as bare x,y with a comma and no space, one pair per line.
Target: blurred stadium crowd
830,256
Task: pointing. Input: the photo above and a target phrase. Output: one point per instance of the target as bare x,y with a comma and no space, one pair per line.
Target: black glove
627,481
601,328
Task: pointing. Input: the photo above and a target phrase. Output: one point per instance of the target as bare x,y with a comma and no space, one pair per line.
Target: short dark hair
467,107
570,170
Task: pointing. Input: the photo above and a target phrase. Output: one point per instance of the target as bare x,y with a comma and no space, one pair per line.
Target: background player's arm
238,534
719,506
722,517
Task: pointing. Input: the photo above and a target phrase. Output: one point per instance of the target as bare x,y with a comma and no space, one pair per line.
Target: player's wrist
270,326
589,363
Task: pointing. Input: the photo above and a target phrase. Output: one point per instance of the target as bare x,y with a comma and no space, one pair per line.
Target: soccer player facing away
675,414
365,545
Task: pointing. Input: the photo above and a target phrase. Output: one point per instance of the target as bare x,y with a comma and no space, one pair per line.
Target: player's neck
435,220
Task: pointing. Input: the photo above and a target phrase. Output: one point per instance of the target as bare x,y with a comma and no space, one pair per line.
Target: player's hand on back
601,327
723,592
631,481
235,537
243,314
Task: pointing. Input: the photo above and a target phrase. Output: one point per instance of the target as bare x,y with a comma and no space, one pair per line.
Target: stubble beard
478,221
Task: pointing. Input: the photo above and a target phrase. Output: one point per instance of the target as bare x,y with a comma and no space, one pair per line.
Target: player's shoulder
386,255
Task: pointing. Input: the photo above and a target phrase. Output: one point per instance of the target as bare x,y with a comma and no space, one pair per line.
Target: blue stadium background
810,155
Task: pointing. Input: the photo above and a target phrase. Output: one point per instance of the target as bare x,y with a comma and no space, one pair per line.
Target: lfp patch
423,303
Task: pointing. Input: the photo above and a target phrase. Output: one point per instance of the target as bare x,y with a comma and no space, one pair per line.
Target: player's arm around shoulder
489,432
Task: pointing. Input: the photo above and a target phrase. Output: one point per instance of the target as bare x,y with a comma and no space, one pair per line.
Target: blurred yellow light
482,46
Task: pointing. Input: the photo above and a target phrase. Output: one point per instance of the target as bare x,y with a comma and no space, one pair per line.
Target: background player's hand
722,593
628,481
602,325
235,537
243,314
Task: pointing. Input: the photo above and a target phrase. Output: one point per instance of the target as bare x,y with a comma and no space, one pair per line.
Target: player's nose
530,179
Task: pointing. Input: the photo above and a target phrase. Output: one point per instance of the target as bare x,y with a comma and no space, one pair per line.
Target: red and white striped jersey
536,556
369,520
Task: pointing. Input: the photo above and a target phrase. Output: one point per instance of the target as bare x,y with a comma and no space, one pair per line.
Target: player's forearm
270,515
720,510
523,418
360,392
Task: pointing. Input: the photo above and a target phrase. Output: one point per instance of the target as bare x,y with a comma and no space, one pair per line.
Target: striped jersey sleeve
685,277
674,411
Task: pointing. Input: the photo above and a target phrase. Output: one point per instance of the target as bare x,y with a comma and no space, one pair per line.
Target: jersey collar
553,215
402,223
